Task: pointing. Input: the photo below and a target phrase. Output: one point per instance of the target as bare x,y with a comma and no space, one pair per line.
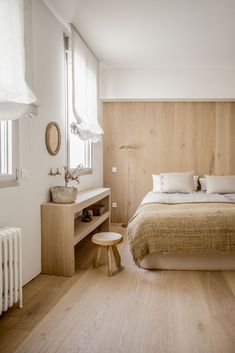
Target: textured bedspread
187,228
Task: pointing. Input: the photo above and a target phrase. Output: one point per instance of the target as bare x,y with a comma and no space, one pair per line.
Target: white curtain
16,98
85,96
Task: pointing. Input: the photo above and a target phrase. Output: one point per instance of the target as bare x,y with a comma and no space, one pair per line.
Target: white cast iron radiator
10,268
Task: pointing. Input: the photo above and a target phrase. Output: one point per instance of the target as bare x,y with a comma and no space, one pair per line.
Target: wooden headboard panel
166,137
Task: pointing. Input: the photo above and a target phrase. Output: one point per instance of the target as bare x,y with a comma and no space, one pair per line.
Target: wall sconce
57,172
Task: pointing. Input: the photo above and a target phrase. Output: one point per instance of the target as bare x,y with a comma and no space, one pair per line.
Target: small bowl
64,194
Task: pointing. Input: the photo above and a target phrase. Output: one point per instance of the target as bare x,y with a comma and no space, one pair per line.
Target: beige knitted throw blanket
190,228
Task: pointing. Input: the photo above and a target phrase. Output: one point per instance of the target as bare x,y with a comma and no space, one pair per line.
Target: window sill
85,171
9,183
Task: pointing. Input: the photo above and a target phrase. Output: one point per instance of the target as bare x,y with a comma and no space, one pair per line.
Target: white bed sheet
196,196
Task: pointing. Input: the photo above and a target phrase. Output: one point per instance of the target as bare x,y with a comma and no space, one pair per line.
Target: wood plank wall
167,137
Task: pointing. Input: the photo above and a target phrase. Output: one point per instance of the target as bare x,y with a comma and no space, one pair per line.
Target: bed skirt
189,262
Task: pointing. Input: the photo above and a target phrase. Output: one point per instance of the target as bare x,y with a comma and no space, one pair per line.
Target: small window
79,152
8,152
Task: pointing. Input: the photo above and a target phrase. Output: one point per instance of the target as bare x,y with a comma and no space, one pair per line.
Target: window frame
88,145
7,180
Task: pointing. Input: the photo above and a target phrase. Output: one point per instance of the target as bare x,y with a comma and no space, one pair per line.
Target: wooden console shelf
62,229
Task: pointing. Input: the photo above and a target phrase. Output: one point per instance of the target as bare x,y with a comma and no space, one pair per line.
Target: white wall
20,205
147,84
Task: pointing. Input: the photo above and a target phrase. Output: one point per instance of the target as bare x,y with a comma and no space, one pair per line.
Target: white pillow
156,183
220,184
203,183
177,182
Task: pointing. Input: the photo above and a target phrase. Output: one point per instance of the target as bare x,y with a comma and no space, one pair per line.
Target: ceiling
154,33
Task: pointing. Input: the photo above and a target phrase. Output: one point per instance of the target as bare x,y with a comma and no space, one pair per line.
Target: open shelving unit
62,229
82,229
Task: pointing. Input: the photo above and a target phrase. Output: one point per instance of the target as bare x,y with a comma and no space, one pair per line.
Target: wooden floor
135,311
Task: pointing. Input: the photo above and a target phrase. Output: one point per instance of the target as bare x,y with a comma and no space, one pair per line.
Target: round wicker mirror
53,138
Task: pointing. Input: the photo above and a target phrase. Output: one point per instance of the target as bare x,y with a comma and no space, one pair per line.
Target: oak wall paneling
167,137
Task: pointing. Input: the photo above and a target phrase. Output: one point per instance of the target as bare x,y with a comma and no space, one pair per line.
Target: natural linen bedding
192,224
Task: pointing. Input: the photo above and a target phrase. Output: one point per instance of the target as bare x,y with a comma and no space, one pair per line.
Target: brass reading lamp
126,148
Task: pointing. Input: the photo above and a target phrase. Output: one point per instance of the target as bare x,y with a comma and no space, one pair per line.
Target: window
16,98
8,152
79,152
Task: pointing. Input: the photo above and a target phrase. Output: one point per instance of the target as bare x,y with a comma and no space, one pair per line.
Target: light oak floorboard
135,310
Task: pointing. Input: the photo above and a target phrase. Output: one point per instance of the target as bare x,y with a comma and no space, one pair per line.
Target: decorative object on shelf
53,138
87,215
71,174
63,194
98,210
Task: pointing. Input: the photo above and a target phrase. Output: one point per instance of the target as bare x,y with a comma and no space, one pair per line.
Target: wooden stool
110,240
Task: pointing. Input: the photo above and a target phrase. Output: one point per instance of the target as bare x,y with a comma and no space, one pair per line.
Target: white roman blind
16,98
85,95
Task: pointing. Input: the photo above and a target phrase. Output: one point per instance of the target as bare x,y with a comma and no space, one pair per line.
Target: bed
194,231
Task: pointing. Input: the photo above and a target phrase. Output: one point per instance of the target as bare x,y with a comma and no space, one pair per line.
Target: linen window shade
16,98
85,95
